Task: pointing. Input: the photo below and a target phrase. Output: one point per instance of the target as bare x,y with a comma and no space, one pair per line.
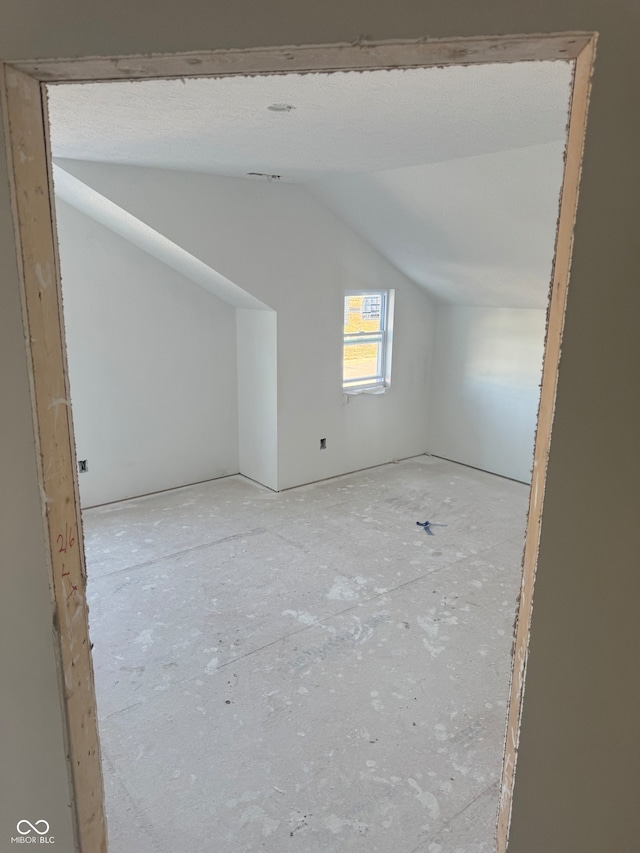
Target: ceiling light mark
263,175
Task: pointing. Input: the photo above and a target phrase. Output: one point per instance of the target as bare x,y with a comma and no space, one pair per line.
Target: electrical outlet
83,466
323,444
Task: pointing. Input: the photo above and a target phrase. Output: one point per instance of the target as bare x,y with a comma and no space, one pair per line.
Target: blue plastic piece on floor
427,525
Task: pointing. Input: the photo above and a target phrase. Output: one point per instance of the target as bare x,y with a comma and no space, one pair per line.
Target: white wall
152,367
295,255
485,387
279,243
257,348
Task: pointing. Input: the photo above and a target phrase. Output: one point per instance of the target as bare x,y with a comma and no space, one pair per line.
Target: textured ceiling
342,122
453,174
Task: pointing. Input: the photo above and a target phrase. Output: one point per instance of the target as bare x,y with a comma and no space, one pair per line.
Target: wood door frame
24,114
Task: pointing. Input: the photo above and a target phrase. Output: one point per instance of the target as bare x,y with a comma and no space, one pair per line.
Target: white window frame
381,381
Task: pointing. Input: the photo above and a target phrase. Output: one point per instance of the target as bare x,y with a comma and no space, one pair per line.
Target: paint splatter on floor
293,672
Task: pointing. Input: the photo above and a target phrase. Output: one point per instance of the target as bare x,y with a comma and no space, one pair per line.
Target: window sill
373,391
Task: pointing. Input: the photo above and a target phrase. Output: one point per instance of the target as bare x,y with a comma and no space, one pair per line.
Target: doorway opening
72,595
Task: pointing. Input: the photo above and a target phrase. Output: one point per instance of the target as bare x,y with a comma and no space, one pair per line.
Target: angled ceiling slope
74,192
452,174
477,231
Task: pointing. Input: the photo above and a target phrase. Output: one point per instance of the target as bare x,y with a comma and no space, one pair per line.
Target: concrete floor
306,671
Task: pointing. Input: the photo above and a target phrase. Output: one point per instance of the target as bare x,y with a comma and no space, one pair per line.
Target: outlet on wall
83,466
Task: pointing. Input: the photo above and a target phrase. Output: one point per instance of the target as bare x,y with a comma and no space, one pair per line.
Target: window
367,340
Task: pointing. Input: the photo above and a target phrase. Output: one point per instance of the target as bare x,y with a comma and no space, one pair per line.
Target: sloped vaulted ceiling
453,174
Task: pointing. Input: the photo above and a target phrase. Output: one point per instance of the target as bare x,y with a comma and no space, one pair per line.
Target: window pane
362,361
365,339
363,313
